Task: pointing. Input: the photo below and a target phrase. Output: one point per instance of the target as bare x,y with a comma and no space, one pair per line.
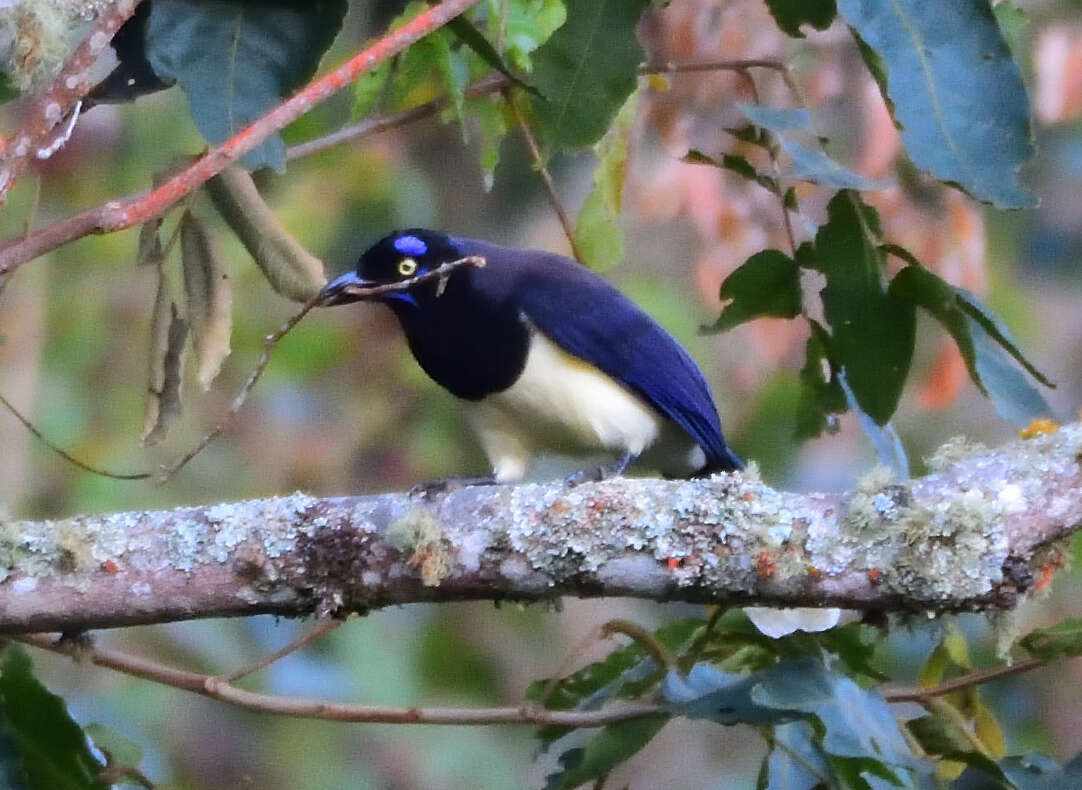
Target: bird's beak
340,289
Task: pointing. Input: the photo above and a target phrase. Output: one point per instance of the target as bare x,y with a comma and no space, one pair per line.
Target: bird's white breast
564,404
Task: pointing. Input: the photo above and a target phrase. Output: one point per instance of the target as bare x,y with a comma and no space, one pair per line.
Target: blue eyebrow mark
410,245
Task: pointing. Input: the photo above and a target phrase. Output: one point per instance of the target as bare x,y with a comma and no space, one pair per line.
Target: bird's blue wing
593,321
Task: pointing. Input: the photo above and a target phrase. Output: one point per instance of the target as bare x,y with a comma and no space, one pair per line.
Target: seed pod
168,335
209,298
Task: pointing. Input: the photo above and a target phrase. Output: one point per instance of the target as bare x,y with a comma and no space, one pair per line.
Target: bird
545,355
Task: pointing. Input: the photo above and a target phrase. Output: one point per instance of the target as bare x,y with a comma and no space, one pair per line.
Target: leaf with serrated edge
209,298
947,64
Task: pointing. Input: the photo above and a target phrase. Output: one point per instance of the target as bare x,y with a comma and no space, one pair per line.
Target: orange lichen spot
765,564
1037,426
873,575
672,563
813,571
746,496
1046,572
109,566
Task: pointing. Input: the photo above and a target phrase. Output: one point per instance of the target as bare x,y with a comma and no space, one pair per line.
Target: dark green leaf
586,71
767,284
946,64
926,289
810,164
235,60
625,673
8,91
1062,640
734,163
52,749
791,14
821,393
941,738
876,67
603,752
998,331
873,332
488,113
864,773
796,762
482,47
527,25
1015,399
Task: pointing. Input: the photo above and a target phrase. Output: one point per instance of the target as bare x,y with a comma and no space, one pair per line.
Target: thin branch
71,459
318,632
69,86
963,681
129,210
543,171
646,640
119,215
219,689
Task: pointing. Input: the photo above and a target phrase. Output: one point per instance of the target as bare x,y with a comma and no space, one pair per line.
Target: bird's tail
727,461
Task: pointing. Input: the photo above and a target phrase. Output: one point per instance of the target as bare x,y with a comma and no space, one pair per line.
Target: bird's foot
598,473
444,485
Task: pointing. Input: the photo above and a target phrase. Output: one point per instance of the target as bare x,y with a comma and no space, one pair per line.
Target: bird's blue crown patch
410,245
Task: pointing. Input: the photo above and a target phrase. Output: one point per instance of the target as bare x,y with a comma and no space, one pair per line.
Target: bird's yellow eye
407,267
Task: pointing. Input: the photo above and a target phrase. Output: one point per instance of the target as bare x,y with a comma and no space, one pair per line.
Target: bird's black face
399,256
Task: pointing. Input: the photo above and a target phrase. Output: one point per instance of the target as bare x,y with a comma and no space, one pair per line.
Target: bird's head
400,256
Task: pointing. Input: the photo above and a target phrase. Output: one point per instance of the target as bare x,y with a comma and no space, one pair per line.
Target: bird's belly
562,403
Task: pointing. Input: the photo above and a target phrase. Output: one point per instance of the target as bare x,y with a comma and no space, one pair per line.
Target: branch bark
968,536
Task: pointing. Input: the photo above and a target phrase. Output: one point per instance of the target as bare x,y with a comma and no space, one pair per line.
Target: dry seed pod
291,270
209,298
168,334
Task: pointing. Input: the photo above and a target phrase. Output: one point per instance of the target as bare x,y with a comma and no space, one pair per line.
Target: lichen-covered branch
976,533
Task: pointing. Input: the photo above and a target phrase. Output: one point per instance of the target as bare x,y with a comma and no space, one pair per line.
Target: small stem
922,695
646,640
543,171
321,630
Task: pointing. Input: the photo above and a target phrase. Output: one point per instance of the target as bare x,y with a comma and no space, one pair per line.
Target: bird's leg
599,473
444,485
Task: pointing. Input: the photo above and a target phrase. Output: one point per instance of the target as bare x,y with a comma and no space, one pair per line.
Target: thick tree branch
967,536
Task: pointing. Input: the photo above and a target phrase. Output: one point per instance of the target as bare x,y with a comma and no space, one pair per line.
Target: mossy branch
977,533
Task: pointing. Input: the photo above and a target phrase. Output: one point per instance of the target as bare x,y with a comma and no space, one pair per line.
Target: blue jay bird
546,356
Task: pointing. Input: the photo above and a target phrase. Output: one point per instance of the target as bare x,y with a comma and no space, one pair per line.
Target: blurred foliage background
344,409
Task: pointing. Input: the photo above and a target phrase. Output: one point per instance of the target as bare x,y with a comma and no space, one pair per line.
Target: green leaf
1062,640
857,722
52,749
972,307
117,749
482,47
873,332
235,61
603,752
928,290
488,112
821,393
8,91
735,163
586,71
527,25
796,762
946,64
1015,399
766,284
791,14
369,88
813,165
598,235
